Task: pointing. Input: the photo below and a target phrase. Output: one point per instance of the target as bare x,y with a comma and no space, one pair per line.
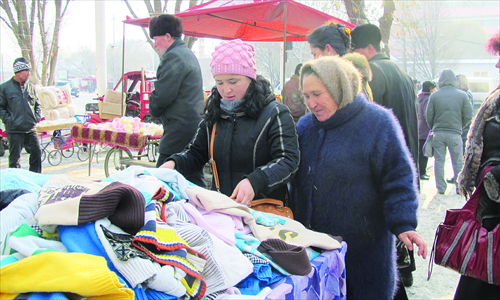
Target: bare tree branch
6,23
356,11
149,7
157,6
164,10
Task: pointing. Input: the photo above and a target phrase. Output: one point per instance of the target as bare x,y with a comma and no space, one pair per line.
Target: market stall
146,233
123,135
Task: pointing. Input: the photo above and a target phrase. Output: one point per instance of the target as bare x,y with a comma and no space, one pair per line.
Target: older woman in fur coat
356,178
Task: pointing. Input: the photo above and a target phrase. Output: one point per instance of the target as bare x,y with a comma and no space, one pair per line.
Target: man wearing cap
20,111
394,89
178,96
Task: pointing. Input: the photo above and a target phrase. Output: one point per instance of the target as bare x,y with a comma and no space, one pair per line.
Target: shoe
440,193
451,180
424,177
407,279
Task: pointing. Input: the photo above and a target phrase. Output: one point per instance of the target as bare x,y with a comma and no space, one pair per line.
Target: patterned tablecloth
326,281
132,141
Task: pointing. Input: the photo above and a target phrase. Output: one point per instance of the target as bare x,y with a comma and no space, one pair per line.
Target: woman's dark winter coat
264,150
423,128
356,179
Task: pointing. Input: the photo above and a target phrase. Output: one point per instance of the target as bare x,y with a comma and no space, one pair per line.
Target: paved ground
432,210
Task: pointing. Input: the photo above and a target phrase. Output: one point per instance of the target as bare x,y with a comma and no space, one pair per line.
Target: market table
120,141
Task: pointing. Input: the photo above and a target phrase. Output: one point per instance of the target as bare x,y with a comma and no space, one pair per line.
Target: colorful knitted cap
234,57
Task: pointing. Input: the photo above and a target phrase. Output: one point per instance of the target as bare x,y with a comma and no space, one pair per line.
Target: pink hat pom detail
234,57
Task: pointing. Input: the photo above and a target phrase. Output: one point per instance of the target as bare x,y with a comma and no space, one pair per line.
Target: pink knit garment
234,57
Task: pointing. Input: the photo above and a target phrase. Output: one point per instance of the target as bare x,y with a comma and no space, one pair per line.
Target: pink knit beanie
234,57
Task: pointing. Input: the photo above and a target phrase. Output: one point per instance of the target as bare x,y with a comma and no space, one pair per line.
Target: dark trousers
422,159
471,288
197,178
30,142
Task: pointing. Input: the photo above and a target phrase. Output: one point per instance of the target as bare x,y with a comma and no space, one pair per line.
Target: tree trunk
54,47
386,24
43,37
356,11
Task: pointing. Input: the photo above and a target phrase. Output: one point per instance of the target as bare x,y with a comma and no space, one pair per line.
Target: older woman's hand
243,193
411,237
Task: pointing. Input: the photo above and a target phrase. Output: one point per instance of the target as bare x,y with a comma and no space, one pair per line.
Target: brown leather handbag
266,205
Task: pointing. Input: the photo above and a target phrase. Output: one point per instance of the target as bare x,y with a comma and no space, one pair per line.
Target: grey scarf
231,106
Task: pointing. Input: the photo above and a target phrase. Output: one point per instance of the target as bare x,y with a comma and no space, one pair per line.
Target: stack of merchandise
130,125
56,102
148,233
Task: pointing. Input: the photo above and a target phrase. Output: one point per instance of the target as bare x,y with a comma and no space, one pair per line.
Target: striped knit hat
21,64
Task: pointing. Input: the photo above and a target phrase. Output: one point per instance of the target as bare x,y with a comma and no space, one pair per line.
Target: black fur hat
163,24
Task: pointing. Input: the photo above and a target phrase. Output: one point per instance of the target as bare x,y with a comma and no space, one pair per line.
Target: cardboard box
110,110
113,96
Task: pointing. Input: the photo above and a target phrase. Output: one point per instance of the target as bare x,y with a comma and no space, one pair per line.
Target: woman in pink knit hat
255,144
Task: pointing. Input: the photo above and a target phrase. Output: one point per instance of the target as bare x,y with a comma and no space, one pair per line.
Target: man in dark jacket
448,112
292,97
178,96
393,88
20,111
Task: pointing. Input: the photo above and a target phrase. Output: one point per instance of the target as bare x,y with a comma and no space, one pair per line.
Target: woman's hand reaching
413,237
243,193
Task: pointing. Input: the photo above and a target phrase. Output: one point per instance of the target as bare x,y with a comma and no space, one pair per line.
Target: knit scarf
474,145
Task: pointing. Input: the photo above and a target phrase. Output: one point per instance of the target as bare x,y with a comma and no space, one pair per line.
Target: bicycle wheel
54,157
83,153
68,152
113,161
44,154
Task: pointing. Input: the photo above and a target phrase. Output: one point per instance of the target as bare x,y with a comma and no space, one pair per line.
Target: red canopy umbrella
251,20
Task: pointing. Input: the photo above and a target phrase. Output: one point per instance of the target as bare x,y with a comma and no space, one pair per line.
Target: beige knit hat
340,77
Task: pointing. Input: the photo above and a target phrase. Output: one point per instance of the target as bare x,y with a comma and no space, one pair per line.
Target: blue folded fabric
84,239
47,296
155,295
262,276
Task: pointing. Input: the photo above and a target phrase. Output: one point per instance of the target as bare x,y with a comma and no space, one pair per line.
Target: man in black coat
394,89
20,111
178,95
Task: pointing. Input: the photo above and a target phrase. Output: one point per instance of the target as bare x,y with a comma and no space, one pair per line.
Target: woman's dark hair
258,96
331,34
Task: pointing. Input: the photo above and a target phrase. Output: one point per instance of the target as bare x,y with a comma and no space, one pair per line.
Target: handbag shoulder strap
473,201
212,161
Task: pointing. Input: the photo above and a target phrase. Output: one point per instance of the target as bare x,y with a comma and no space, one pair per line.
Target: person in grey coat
448,112
177,99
